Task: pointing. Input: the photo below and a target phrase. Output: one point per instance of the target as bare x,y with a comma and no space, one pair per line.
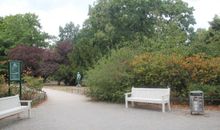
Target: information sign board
15,70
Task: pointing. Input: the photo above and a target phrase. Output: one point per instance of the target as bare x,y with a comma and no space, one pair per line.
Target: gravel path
66,111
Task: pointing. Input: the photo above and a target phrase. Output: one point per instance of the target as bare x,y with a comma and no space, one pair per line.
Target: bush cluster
110,78
29,90
3,87
152,69
202,69
34,83
115,75
176,71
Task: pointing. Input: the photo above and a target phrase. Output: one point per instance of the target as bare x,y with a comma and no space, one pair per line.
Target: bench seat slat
147,100
13,111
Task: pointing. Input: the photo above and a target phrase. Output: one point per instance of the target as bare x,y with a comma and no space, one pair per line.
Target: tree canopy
69,32
208,41
114,24
114,21
19,29
22,29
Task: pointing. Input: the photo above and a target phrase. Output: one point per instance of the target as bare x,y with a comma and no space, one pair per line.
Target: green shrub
28,93
114,75
3,87
34,83
110,78
202,69
158,70
176,71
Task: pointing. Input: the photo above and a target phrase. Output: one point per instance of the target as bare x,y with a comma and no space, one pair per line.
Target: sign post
15,74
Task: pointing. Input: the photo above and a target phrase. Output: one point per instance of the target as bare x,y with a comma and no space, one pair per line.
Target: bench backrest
154,93
9,102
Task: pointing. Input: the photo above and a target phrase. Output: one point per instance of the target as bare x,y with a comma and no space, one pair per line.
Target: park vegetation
123,43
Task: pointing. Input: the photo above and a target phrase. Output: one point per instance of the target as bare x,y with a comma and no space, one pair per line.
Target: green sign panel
15,70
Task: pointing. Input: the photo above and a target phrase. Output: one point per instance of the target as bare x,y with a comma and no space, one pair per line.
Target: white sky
55,13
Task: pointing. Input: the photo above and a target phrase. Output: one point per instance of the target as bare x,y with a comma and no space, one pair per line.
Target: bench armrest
27,101
127,94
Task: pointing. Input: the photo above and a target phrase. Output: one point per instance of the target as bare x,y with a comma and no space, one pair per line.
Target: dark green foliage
116,21
208,41
109,79
22,29
215,24
64,73
69,32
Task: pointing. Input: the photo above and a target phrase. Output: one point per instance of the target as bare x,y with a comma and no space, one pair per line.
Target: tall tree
30,56
215,24
213,37
208,41
40,62
22,29
63,49
114,24
49,64
69,32
115,21
19,29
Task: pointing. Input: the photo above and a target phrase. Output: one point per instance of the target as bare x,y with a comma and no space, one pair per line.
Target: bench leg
126,104
163,107
29,113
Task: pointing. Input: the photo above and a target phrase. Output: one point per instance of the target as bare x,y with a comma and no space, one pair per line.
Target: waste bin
196,102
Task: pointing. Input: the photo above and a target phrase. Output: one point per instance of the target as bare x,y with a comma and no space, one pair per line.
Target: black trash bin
196,102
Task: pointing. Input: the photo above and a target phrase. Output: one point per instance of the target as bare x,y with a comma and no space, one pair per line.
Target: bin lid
196,91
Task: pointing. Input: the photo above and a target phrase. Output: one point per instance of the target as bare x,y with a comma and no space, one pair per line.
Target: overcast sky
55,13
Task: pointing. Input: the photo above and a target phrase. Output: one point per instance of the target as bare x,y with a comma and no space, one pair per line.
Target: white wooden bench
12,106
149,95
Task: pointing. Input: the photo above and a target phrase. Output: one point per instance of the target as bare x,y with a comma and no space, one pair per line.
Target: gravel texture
67,111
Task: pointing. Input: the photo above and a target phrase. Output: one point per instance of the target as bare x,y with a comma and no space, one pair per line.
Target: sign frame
14,74
15,70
